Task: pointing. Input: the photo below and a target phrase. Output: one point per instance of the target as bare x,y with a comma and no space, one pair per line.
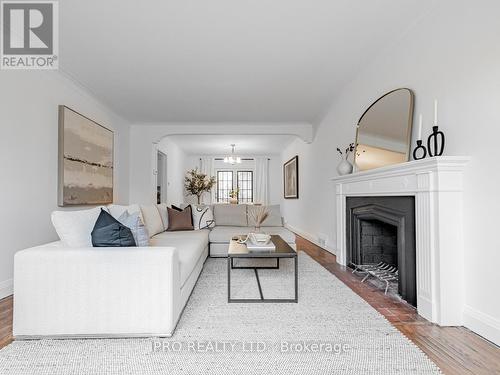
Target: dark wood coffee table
283,250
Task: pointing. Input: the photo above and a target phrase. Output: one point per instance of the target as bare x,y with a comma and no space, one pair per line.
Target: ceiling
225,60
221,144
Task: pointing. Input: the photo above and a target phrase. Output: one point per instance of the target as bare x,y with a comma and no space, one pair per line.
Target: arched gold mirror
383,135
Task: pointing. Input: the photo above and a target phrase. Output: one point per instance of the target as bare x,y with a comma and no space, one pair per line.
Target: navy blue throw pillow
109,232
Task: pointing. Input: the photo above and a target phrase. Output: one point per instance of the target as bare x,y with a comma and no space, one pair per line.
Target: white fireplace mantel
437,185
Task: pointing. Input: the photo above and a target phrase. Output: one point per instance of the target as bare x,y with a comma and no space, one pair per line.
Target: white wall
176,171
144,143
452,55
28,152
192,161
313,215
275,179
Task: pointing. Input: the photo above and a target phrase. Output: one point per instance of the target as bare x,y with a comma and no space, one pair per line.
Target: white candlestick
435,112
419,127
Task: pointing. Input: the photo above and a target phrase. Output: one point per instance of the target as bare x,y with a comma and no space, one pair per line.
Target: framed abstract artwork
85,160
291,178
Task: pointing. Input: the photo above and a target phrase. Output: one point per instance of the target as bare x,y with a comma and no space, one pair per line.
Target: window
245,186
224,185
231,180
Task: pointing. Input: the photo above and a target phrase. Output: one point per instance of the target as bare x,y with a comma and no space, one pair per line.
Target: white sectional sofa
82,291
233,220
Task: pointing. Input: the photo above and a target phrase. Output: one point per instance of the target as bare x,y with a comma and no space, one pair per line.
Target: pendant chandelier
232,159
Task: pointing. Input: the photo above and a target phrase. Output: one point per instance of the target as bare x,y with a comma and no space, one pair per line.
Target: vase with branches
345,166
197,183
257,215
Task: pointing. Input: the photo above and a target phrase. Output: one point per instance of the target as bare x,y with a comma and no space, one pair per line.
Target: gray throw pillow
109,232
137,227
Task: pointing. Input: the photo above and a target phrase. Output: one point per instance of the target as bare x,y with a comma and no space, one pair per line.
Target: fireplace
381,230
436,186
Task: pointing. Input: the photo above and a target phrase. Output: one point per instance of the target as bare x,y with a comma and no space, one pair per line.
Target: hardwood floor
455,350
6,321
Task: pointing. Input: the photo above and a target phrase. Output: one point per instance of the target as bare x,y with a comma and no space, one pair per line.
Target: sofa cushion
152,219
223,234
109,232
230,215
189,244
74,227
273,220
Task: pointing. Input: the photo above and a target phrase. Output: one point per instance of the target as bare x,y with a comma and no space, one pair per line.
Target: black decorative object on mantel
435,142
416,150
435,145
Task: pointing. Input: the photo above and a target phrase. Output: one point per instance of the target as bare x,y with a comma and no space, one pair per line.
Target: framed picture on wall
291,178
85,160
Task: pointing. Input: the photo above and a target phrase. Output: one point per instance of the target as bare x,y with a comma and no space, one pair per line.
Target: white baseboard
482,324
6,288
310,238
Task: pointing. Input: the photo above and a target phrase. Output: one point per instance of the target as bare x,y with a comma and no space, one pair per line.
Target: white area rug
332,331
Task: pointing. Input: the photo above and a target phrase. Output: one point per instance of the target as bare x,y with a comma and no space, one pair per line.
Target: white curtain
262,180
207,167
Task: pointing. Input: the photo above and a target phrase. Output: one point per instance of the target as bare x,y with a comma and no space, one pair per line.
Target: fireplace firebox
381,230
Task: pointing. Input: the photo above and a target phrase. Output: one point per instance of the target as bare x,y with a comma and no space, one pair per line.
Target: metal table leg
262,299
276,267
229,261
296,279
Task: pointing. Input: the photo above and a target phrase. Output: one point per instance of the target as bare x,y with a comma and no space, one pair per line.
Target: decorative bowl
259,238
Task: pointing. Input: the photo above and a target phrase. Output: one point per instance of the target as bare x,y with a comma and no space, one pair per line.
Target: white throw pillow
152,219
202,217
162,208
74,228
